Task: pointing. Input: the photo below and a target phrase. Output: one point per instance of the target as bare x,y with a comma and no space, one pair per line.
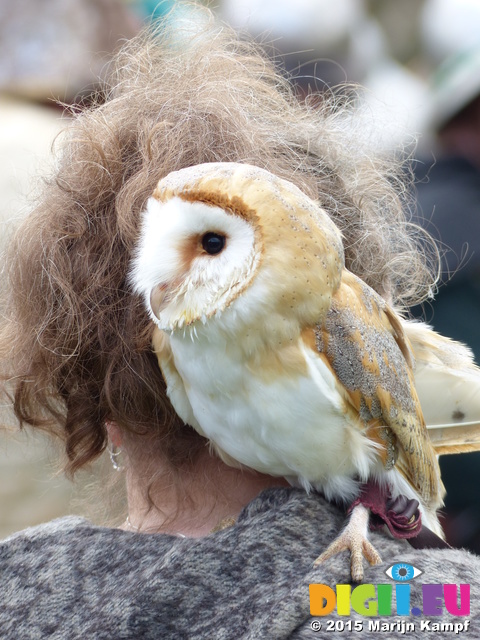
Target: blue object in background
154,8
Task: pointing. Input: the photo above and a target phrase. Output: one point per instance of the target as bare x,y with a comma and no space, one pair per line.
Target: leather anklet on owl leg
354,538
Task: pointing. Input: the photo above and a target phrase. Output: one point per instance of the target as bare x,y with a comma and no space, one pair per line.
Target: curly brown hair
75,346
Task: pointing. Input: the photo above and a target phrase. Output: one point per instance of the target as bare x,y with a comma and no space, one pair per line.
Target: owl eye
213,243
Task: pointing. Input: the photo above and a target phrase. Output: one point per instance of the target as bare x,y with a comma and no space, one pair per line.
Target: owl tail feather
454,438
448,385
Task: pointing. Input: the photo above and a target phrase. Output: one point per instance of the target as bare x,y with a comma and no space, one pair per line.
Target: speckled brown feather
364,343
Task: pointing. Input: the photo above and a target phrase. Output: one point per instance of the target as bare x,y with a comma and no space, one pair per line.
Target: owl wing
363,342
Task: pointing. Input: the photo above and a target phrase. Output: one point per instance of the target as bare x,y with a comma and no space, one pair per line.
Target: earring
114,454
114,451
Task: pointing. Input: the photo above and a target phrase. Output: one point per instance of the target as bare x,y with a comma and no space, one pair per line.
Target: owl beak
159,298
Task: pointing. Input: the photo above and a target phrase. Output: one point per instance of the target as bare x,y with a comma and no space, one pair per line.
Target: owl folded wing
363,341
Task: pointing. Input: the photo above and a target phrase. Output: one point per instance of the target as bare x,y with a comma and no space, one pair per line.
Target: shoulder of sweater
307,524
59,532
53,527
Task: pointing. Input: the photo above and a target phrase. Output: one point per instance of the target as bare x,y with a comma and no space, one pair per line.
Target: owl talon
353,538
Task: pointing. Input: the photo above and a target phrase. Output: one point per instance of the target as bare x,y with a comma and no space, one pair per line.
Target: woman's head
76,344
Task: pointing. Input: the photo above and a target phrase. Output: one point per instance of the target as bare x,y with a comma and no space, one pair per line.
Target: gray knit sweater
69,579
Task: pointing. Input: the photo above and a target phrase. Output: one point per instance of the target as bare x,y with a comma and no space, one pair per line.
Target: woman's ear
114,433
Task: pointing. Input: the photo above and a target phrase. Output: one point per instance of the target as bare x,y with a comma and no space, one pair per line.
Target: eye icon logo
403,572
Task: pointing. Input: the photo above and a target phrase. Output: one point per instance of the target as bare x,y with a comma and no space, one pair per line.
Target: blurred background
419,61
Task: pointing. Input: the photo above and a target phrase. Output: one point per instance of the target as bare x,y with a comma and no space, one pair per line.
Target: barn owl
285,360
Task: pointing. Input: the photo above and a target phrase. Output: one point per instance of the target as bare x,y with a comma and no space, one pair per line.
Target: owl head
228,236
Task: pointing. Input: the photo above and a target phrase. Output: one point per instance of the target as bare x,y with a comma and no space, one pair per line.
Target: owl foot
354,538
